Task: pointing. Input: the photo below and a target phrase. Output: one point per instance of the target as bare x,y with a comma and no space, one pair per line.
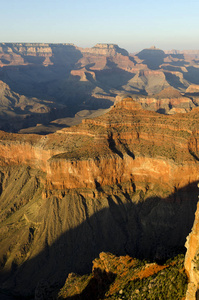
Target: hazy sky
132,25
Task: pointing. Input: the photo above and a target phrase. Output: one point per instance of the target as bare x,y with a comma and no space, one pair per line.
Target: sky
133,25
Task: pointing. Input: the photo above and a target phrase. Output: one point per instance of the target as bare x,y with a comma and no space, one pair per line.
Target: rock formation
19,111
193,88
192,261
125,278
168,101
90,78
123,182
153,57
106,49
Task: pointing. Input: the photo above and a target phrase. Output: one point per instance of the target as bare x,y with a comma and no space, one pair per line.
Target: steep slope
123,183
191,260
18,111
149,82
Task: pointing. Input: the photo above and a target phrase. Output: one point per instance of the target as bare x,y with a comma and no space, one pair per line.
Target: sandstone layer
192,261
123,182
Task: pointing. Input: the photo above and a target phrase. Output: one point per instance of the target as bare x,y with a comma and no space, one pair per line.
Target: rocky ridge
106,49
73,79
122,182
191,260
119,136
126,278
18,111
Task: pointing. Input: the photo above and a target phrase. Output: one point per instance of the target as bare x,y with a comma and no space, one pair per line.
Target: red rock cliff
123,183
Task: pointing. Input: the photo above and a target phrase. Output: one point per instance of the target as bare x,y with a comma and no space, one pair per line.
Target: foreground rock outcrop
125,278
192,261
125,182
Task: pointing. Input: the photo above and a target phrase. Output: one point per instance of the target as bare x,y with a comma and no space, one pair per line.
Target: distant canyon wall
21,53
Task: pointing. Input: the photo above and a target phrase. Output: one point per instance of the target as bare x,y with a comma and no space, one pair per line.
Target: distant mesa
106,49
153,57
151,51
106,46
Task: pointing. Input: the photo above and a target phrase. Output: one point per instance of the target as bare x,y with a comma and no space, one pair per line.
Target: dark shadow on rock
174,81
66,55
133,59
37,80
37,60
161,111
67,99
151,228
112,146
5,61
179,56
192,75
194,155
97,286
178,64
128,151
172,68
113,77
191,95
197,295
153,58
26,120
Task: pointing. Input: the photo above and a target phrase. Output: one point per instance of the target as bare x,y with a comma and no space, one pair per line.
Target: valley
99,154
45,87
122,183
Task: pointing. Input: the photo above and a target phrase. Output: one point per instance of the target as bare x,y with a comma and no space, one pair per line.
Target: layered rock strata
76,79
123,182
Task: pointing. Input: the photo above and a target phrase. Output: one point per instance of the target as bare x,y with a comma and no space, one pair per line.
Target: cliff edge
122,183
192,260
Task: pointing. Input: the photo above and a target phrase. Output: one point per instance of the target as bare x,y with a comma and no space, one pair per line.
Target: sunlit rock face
124,182
192,260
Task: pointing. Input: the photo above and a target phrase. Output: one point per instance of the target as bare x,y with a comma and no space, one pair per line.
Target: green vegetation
128,279
169,283
75,285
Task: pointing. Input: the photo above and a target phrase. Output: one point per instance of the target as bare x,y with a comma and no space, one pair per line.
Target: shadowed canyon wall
125,182
43,83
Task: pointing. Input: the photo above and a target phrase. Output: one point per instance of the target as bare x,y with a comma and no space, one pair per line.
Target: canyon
99,154
45,87
124,182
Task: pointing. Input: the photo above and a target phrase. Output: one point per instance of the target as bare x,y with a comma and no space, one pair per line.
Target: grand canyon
99,171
